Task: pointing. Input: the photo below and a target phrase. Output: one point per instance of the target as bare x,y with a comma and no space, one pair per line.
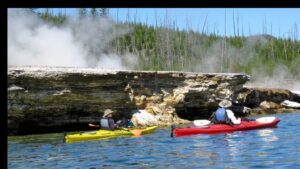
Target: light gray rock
58,97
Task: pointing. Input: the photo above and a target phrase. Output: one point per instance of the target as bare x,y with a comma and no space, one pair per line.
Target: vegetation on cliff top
165,47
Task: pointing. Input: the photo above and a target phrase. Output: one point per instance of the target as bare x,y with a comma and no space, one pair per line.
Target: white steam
79,43
280,78
222,57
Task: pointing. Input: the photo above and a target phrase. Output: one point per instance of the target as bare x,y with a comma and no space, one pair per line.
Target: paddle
201,123
93,125
247,119
136,132
265,119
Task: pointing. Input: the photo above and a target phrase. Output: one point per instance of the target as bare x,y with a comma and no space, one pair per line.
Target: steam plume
79,43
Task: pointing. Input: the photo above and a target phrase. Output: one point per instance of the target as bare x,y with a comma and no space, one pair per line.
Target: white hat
107,112
225,103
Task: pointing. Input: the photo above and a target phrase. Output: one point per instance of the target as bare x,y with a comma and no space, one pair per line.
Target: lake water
264,148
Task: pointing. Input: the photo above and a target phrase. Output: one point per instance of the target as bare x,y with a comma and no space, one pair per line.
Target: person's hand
246,110
119,122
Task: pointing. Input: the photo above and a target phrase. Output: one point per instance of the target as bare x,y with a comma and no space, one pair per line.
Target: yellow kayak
105,134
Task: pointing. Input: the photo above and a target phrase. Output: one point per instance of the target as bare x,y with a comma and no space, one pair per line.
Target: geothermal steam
79,43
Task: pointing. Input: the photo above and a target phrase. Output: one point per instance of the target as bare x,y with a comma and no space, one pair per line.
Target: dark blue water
265,148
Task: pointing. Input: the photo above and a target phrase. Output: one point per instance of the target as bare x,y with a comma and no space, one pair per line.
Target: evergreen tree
94,12
103,12
82,12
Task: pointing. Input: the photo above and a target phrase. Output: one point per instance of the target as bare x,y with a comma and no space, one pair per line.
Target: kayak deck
224,128
104,134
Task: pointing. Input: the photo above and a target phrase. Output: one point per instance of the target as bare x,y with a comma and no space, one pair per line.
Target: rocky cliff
44,99
267,100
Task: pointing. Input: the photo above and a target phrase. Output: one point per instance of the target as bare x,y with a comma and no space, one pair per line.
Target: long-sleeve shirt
231,116
111,123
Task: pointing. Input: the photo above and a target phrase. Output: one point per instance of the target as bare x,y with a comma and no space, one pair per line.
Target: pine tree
82,12
103,12
94,12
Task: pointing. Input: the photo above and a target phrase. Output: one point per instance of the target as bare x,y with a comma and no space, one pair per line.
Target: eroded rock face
53,99
267,100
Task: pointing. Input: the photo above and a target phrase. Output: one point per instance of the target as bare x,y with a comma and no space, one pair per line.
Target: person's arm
231,116
111,124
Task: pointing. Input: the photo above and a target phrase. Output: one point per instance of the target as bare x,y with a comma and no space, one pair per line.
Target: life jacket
220,117
104,124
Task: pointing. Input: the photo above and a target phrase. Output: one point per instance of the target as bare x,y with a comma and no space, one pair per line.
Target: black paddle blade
172,130
65,134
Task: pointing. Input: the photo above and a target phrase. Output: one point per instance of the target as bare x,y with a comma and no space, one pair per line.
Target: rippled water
265,148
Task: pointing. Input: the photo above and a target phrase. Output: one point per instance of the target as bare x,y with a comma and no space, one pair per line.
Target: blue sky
279,22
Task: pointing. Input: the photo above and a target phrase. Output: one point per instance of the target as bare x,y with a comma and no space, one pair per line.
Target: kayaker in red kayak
224,115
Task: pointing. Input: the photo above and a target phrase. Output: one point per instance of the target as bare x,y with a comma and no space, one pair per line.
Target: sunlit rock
291,104
267,100
68,98
269,105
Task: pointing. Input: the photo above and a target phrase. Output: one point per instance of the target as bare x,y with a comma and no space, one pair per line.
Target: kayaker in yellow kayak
107,122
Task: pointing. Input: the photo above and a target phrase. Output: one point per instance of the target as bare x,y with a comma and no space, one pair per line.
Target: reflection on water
267,135
233,144
266,148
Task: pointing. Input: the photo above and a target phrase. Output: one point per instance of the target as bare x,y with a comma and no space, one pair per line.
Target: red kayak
264,122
